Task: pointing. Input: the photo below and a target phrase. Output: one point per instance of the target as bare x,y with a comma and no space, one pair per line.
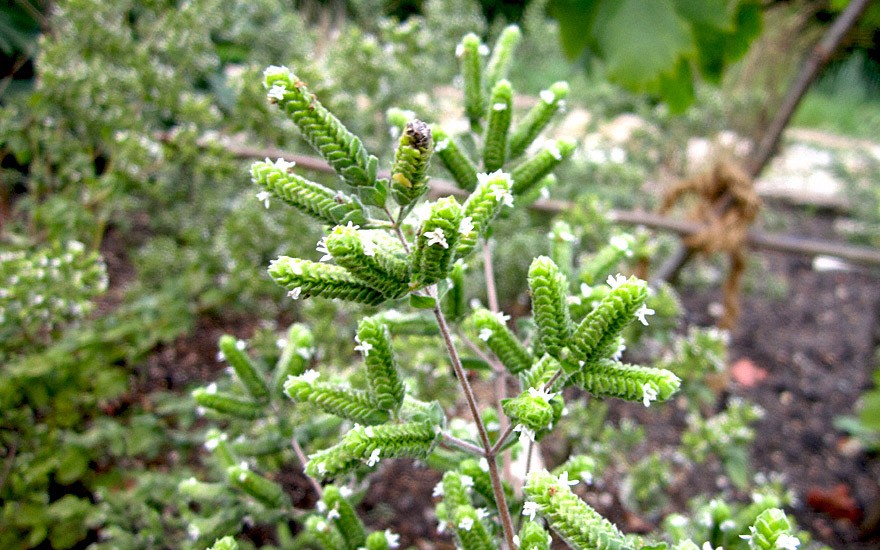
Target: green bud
500,114
549,289
537,118
386,389
436,242
470,53
267,492
455,159
369,262
304,279
409,174
501,59
228,404
531,171
233,352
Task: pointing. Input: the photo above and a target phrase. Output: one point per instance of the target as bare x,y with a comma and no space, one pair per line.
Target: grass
839,114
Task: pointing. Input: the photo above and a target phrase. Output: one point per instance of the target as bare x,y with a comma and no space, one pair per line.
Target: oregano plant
391,247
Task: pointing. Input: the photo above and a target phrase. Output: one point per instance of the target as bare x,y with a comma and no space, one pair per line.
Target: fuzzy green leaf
500,114
294,357
549,289
597,335
501,59
233,352
304,279
530,172
436,242
386,389
533,537
538,117
504,344
462,168
470,530
482,206
371,263
409,174
607,378
267,492
322,203
228,404
470,53
324,132
343,402
345,518
573,519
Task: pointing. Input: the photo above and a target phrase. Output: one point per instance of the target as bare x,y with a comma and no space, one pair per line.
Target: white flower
277,91
441,145
482,513
649,393
467,481
345,491
374,458
274,70
466,524
554,151
321,506
541,393
563,480
619,353
466,226
499,106
620,242
193,531
211,389
459,50
787,542
547,96
369,247
708,546
309,376
485,334
502,195
617,155
642,311
363,347
282,164
502,318
294,293
484,464
438,490
436,237
333,514
615,281
392,539
322,248
530,509
516,540
587,477
525,433
483,49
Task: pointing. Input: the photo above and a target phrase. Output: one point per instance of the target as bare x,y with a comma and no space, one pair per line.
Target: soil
816,344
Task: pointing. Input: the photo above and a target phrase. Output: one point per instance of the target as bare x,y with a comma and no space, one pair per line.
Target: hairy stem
462,445
497,488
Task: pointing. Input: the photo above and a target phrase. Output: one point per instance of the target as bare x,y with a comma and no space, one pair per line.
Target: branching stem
460,444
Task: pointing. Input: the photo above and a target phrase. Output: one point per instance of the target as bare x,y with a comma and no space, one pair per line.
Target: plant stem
463,445
501,440
489,273
497,488
301,456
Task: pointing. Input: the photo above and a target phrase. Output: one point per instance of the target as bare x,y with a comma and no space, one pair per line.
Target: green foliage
411,160
435,244
491,328
386,389
570,517
497,126
688,38
549,289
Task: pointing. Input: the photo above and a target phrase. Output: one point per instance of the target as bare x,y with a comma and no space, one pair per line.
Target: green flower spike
499,114
322,203
454,159
409,174
382,540
470,53
344,517
596,337
436,242
478,471
343,402
492,329
531,409
541,372
533,170
367,445
324,132
267,492
481,207
386,390
304,279
224,403
455,489
372,264
573,519
533,537
218,443
499,63
470,530
294,357
233,352
771,532
607,378
562,242
549,289
579,467
455,300
551,100
324,533
268,444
